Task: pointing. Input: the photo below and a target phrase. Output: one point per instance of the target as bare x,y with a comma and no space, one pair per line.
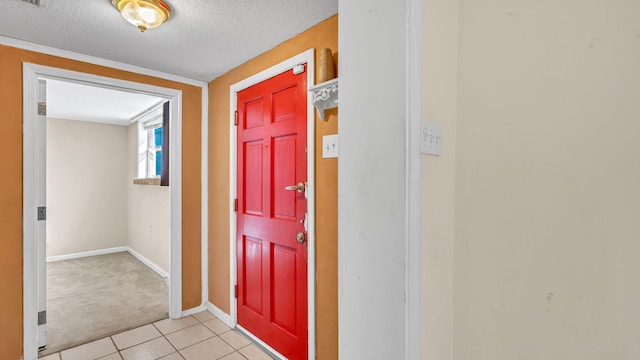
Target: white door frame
41,200
30,75
308,58
413,193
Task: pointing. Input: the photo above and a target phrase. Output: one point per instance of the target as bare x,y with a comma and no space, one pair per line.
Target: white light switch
430,139
330,146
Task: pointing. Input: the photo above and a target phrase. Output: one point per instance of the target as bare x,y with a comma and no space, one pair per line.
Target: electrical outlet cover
430,139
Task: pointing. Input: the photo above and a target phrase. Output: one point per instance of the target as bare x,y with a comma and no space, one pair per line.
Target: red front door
271,237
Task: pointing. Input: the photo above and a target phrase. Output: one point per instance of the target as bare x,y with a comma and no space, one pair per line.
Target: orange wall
11,59
323,35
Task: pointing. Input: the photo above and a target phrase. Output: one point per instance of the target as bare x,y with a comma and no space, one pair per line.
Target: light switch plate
430,139
330,146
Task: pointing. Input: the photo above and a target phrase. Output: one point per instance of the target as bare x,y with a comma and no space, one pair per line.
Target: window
153,152
157,142
153,147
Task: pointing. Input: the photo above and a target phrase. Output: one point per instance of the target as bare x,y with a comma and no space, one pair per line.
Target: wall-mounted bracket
325,96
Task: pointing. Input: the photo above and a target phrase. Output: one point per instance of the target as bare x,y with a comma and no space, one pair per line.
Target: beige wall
439,106
547,186
86,186
92,201
149,217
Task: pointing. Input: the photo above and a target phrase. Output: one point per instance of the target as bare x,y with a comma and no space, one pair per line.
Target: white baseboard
118,249
87,254
194,310
149,264
258,342
224,317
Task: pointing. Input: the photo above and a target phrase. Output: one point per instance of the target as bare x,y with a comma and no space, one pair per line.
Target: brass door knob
299,187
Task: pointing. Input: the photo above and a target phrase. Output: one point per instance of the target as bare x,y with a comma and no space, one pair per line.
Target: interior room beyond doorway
104,232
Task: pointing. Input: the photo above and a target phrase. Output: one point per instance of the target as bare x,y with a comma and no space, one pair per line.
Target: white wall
371,180
149,213
440,106
547,183
86,186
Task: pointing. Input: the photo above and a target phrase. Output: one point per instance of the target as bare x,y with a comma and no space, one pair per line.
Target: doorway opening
107,239
34,184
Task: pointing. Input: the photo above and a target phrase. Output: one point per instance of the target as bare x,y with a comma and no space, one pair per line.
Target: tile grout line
144,342
116,347
134,345
165,336
238,349
214,336
170,343
199,342
241,354
221,338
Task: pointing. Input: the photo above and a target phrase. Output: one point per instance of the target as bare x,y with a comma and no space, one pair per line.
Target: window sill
147,181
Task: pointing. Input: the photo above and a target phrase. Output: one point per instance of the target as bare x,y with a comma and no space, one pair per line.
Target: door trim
308,58
413,194
30,75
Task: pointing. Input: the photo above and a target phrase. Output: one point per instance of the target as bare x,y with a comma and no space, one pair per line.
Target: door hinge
235,291
42,108
42,213
235,205
42,317
235,122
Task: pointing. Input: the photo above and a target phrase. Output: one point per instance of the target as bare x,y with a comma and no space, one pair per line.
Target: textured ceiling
202,40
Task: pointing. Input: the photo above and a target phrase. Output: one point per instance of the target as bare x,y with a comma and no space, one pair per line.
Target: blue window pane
158,162
157,136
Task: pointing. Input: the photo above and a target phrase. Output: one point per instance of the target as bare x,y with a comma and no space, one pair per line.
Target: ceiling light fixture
144,14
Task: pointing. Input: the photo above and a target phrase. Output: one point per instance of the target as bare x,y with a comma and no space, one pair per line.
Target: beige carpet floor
98,296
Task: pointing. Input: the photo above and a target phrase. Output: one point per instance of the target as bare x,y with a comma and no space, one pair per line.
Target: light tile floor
198,337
